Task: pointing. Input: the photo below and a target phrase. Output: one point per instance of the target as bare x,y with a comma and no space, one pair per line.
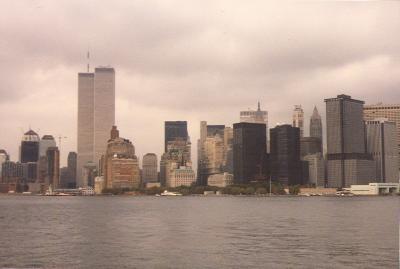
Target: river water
199,232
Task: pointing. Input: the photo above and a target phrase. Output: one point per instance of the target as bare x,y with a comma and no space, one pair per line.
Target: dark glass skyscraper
174,130
72,163
30,147
249,152
286,166
348,161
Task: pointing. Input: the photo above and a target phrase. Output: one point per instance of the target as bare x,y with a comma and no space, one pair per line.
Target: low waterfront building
180,176
220,180
98,184
374,189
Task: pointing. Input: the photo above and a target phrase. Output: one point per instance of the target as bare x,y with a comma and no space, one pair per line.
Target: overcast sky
190,60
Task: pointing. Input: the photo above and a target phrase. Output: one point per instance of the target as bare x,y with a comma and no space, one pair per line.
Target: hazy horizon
190,61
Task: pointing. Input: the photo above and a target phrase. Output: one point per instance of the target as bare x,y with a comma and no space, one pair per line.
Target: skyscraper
382,145
174,130
388,111
96,115
286,166
53,167
249,152
211,151
298,119
316,125
256,116
46,142
30,147
149,171
348,161
72,162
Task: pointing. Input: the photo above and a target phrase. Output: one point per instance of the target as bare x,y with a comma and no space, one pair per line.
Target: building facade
120,166
286,166
388,111
316,169
46,142
96,115
174,130
249,152
180,175
150,168
298,119
29,147
348,162
53,167
310,145
382,145
316,126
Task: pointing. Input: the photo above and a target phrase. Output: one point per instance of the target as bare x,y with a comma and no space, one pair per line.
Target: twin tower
96,116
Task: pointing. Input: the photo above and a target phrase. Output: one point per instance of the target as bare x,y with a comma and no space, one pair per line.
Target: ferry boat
170,193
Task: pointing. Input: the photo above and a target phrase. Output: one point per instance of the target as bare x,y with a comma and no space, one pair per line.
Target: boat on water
170,193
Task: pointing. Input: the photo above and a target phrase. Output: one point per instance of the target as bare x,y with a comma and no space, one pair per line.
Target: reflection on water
199,232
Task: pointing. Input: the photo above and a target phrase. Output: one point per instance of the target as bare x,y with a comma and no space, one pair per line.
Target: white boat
170,193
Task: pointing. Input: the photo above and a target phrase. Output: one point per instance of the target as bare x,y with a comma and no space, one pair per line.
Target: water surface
199,232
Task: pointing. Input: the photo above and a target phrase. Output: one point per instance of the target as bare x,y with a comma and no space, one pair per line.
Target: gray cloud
191,60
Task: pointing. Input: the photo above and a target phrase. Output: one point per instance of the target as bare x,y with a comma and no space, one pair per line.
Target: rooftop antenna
88,60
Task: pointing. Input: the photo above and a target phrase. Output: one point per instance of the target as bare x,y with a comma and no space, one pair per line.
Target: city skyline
156,82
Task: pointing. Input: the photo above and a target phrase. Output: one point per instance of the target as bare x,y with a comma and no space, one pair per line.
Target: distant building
30,172
286,166
316,126
121,166
249,152
379,188
180,176
30,147
11,172
214,151
72,165
220,180
53,167
256,116
310,145
150,168
382,145
46,142
175,130
316,169
3,157
96,115
298,119
388,111
347,158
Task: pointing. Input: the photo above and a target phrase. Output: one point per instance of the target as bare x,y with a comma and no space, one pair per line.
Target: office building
347,159
286,166
11,172
256,116
249,152
53,167
180,175
121,166
388,111
316,125
220,180
29,147
46,142
175,130
214,148
72,164
298,119
3,158
310,145
96,116
150,168
382,145
316,169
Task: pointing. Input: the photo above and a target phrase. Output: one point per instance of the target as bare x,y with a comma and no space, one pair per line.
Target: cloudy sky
190,60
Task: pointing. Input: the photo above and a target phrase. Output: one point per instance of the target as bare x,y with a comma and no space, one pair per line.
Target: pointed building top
315,113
